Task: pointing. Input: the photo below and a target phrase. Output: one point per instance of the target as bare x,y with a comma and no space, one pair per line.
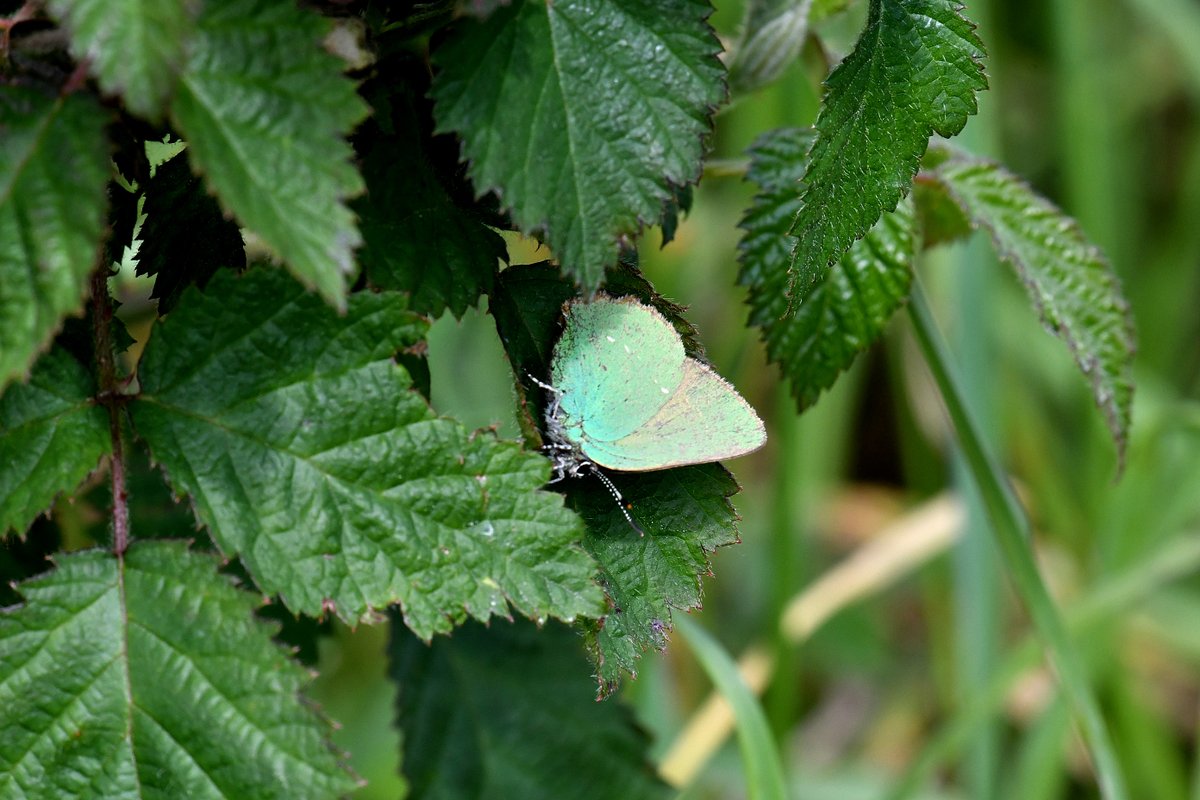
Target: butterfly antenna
621,504
543,384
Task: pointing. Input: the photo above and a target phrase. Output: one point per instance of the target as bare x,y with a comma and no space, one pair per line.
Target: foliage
281,258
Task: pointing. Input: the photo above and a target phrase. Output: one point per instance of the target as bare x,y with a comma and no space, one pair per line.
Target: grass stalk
1011,530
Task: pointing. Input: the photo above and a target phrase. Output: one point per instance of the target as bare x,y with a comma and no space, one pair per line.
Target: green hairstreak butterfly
625,396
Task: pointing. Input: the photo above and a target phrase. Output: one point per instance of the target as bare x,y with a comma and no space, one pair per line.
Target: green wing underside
616,364
704,419
633,401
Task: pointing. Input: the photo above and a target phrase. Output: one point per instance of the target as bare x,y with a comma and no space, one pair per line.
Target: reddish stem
111,398
25,12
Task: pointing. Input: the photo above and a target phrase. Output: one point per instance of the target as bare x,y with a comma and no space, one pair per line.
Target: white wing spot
664,390
627,350
611,339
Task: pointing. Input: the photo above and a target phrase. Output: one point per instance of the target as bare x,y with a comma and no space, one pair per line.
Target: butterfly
625,396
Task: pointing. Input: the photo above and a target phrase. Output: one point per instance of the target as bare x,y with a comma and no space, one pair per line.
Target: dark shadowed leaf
510,711
185,237
417,237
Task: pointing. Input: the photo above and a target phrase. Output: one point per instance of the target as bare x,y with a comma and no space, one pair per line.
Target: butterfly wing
704,419
616,364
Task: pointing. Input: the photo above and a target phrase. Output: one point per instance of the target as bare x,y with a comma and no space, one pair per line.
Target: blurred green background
927,684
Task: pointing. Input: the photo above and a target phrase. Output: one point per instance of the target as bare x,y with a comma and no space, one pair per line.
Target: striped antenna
621,504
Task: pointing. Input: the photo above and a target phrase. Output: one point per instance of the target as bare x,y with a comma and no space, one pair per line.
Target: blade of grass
977,589
760,756
1011,529
898,550
1118,595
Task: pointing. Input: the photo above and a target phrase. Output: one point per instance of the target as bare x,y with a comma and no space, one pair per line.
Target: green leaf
685,512
679,205
52,436
848,308
308,452
915,71
53,168
583,117
942,221
265,111
150,677
508,711
185,238
416,237
135,48
1073,287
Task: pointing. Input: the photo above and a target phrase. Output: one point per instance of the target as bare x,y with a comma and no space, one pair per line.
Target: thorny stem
111,398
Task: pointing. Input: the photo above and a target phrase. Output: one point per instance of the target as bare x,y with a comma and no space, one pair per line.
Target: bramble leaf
584,149
179,255
308,452
53,168
416,237
150,677
135,48
848,309
265,110
509,711
686,514
51,435
1073,288
914,72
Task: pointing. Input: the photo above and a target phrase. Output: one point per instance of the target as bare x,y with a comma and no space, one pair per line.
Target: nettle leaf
52,436
135,48
180,253
53,169
915,71
1074,289
685,512
265,110
150,677
308,452
416,237
582,148
509,711
847,309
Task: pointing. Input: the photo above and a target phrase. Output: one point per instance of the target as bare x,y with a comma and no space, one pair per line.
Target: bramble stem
110,397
